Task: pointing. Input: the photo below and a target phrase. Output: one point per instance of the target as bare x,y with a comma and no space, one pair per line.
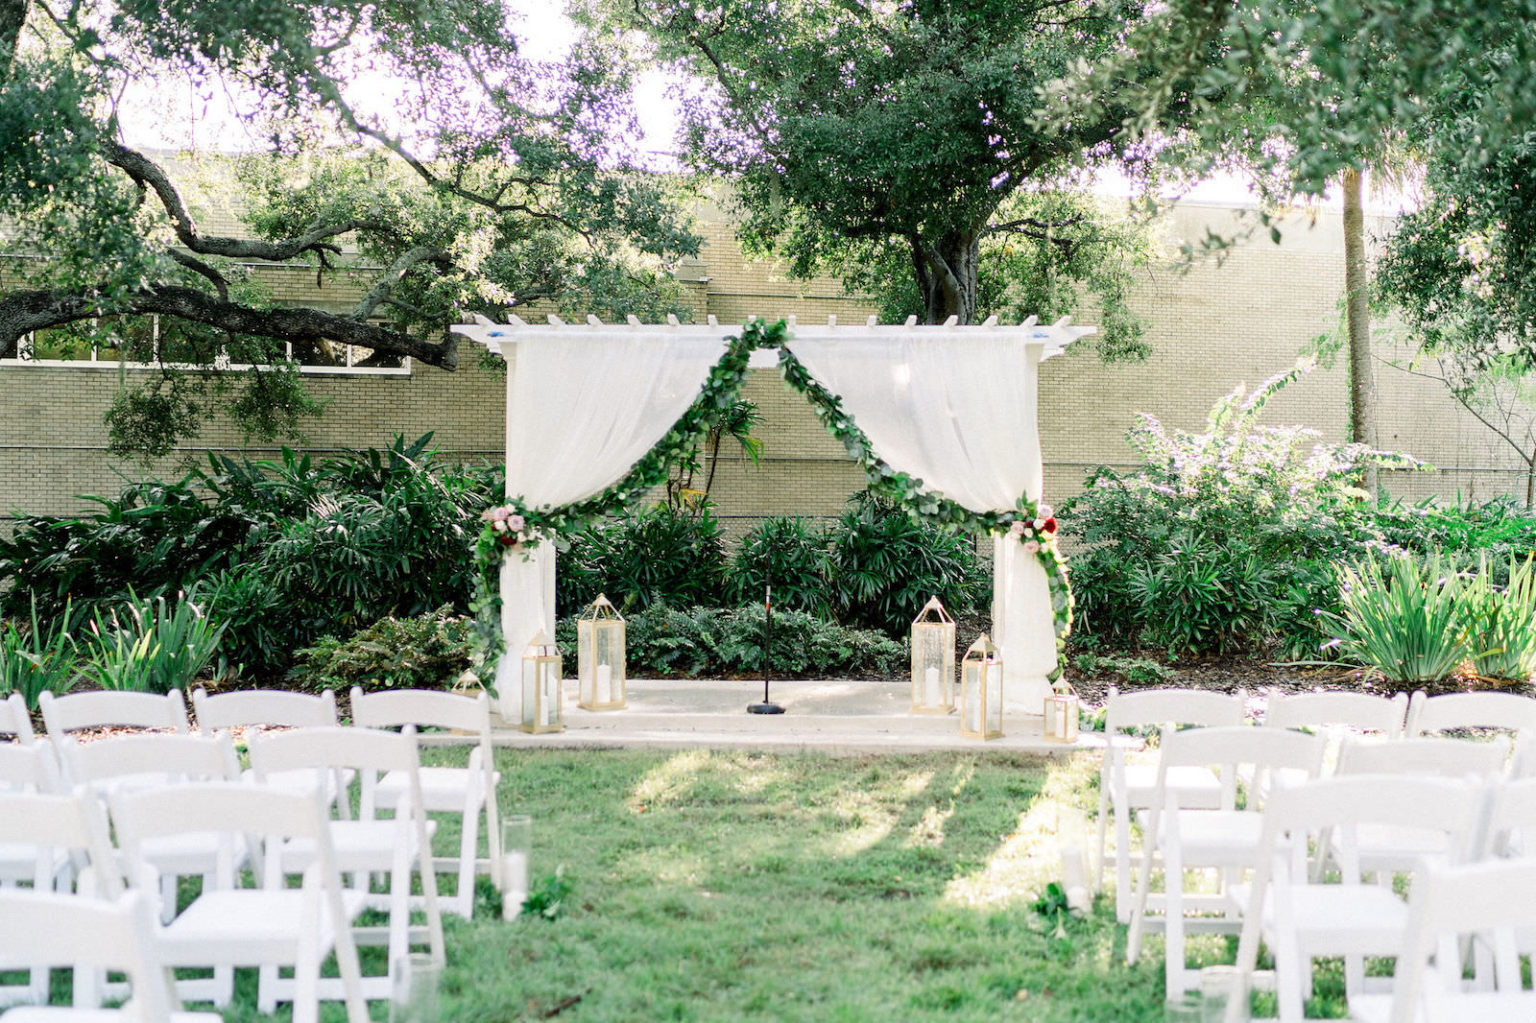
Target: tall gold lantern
981,691
1061,713
600,657
541,702
933,660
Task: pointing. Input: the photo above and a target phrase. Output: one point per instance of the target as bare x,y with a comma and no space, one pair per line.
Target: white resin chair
81,711
1385,716
30,771
468,791
15,720
247,708
91,936
1227,839
1486,901
270,925
1507,712
392,848
1301,918
60,834
1126,788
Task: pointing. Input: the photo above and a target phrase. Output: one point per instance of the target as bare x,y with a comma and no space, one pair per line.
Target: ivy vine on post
514,529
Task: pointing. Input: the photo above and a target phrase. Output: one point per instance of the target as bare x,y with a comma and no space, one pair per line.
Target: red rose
1050,525
507,539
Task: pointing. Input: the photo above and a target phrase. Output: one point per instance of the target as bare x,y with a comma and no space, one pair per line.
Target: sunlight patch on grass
670,781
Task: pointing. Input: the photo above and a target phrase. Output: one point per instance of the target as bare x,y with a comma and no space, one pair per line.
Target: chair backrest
15,720
423,708
263,707
78,711
1450,758
75,824
166,758
1172,707
29,768
1511,824
1490,898
1506,711
89,935
1259,754
1361,711
334,748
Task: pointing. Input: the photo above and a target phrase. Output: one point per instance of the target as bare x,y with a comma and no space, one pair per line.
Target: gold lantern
981,691
933,660
1061,713
541,696
600,657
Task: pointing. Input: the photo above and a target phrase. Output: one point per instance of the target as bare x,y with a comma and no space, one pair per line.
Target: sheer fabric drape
581,411
959,414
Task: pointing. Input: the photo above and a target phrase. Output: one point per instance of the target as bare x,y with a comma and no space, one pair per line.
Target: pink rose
498,525
1039,523
1031,547
1017,529
516,523
500,513
1044,511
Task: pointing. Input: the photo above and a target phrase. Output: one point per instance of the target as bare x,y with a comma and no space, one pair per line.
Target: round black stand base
764,708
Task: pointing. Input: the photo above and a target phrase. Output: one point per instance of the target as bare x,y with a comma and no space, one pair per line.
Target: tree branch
947,279
146,173
13,15
198,266
25,311
395,274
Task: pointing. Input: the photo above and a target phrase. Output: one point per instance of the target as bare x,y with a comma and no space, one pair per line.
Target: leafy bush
35,659
787,554
1501,624
884,565
150,646
1402,618
659,554
1482,536
663,640
427,651
1220,541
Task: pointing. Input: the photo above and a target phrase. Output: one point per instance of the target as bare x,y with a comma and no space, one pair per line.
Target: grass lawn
741,886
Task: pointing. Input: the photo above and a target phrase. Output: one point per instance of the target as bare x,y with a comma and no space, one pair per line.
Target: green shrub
35,659
1465,534
151,646
788,554
1401,617
658,554
884,565
427,651
1501,623
703,641
1219,542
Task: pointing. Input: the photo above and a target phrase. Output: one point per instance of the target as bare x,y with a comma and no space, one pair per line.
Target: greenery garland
515,528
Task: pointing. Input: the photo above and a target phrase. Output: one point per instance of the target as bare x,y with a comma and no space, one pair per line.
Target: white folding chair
1503,711
268,926
58,832
1125,788
1344,713
369,845
30,770
1486,901
1227,839
16,720
91,936
81,711
247,708
146,761
1301,918
468,791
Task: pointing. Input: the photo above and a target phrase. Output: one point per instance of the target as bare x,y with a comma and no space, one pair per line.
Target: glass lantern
541,710
600,657
1061,713
981,691
933,660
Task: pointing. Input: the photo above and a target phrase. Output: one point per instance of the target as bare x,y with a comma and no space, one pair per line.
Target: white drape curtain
581,411
959,413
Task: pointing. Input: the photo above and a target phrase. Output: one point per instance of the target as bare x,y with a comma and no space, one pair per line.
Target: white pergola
953,406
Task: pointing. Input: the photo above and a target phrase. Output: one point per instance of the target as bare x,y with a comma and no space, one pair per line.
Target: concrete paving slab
830,716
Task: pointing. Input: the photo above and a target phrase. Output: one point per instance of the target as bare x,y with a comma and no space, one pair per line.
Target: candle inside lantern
931,687
1060,722
973,714
604,683
514,883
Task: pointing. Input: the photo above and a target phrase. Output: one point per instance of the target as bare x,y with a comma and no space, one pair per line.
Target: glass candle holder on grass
516,842
413,987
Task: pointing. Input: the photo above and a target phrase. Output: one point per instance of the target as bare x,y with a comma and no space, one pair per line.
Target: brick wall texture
1215,326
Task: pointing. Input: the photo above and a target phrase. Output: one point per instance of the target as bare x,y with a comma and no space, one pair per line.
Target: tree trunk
947,275
1530,483
13,15
1362,374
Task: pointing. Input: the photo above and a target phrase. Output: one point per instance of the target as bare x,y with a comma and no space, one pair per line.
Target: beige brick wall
1210,328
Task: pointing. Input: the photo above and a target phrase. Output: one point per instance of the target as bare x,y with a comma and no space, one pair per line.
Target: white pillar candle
604,683
514,884
931,687
1059,722
973,715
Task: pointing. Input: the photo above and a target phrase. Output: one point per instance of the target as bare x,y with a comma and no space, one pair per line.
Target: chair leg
469,845
1292,979
1122,864
266,990
1099,864
1173,922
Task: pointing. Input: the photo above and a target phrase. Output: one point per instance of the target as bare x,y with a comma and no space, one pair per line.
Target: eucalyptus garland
515,528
